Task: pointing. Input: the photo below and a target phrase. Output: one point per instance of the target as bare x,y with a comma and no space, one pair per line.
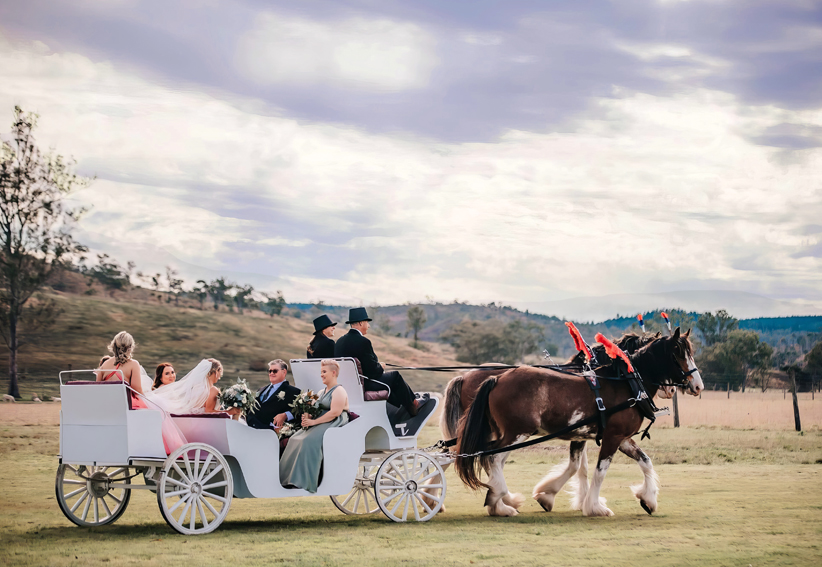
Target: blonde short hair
122,347
332,363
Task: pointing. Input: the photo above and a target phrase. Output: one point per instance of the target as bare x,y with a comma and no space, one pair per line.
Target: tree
813,360
110,274
274,303
175,285
715,328
201,293
524,338
35,237
218,289
416,319
493,341
241,294
740,354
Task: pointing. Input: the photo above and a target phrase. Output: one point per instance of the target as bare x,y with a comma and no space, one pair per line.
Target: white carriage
370,464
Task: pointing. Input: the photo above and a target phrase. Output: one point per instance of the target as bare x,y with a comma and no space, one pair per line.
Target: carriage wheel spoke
357,501
193,519
211,474
422,502
96,510
191,475
110,495
79,501
215,497
215,485
72,468
72,481
181,501
186,508
388,499
412,498
348,498
397,504
118,471
181,473
86,508
407,500
431,496
205,465
75,493
176,493
208,505
365,498
176,482
108,510
424,486
202,512
196,464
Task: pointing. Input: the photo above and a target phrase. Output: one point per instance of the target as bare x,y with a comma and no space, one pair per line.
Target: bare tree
35,238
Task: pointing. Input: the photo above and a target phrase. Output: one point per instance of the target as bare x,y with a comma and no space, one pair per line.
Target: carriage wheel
410,485
360,501
195,488
85,494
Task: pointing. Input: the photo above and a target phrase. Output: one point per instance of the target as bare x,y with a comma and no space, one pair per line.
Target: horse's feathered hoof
545,500
646,507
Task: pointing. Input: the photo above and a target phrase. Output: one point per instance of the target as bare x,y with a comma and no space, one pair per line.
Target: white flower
281,395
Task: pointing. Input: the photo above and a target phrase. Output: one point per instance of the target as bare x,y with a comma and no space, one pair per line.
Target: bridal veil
185,395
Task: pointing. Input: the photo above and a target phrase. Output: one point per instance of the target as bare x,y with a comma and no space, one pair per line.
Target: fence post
729,389
676,410
795,402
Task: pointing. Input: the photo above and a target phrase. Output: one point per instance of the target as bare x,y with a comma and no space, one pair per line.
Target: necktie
267,394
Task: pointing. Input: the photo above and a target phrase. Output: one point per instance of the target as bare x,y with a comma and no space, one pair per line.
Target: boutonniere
281,395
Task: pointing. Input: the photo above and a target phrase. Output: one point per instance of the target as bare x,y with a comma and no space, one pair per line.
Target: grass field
728,497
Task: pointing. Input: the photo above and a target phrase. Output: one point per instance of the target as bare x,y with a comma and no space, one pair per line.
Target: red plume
613,351
579,343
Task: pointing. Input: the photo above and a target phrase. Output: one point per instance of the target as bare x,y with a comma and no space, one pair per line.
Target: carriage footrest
662,412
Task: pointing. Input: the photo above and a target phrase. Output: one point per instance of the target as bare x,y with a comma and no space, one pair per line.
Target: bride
194,393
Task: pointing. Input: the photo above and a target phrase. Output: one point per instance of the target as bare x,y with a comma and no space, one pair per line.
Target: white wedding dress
187,395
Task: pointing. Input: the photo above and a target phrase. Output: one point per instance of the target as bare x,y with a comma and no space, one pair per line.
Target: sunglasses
274,371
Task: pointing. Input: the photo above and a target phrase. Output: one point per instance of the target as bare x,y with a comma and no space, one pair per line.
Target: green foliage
109,273
732,359
494,341
715,328
35,237
273,303
813,360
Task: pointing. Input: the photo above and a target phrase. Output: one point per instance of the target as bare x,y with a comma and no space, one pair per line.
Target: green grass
764,508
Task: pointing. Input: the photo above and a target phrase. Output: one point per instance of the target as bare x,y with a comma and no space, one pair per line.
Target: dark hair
313,343
158,375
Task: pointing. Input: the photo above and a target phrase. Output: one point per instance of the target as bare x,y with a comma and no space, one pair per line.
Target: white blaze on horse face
695,383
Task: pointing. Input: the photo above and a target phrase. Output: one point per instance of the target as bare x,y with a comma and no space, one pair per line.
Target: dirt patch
46,413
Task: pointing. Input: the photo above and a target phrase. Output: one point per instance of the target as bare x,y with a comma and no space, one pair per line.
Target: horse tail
450,418
474,435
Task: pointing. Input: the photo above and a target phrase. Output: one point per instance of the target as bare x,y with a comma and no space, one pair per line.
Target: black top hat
322,322
356,315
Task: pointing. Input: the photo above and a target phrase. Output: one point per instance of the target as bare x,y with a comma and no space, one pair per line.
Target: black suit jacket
262,417
323,348
355,345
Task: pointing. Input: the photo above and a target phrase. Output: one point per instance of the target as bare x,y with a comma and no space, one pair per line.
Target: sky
381,152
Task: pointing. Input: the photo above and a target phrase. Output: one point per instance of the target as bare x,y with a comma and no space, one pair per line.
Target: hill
183,336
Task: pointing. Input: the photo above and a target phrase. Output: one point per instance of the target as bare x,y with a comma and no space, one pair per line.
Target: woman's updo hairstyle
122,347
215,365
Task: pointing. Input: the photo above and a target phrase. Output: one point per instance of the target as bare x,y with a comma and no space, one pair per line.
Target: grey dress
303,456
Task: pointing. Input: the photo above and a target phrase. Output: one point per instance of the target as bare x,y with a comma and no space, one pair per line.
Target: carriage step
662,412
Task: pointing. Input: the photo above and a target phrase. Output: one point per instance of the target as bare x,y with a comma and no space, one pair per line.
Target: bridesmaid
122,347
322,345
303,457
164,375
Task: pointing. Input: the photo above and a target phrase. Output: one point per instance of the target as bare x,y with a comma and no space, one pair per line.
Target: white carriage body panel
96,426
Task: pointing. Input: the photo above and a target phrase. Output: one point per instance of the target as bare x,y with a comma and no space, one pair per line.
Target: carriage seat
370,396
91,382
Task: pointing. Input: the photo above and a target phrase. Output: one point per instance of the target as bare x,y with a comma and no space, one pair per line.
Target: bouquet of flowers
304,403
239,396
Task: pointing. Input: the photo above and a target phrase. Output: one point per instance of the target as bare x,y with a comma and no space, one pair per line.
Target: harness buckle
600,404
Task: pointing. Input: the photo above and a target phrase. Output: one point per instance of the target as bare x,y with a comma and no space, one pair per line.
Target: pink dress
173,438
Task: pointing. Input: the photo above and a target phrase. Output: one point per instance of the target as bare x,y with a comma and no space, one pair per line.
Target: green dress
303,456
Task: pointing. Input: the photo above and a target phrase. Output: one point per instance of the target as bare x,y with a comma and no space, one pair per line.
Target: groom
274,399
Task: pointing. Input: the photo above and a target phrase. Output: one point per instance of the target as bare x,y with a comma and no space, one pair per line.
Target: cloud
640,193
364,54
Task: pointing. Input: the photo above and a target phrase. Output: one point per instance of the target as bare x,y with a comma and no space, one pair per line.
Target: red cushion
376,396
90,382
352,416
218,415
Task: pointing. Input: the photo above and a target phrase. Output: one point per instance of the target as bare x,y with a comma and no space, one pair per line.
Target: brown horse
525,401
460,393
